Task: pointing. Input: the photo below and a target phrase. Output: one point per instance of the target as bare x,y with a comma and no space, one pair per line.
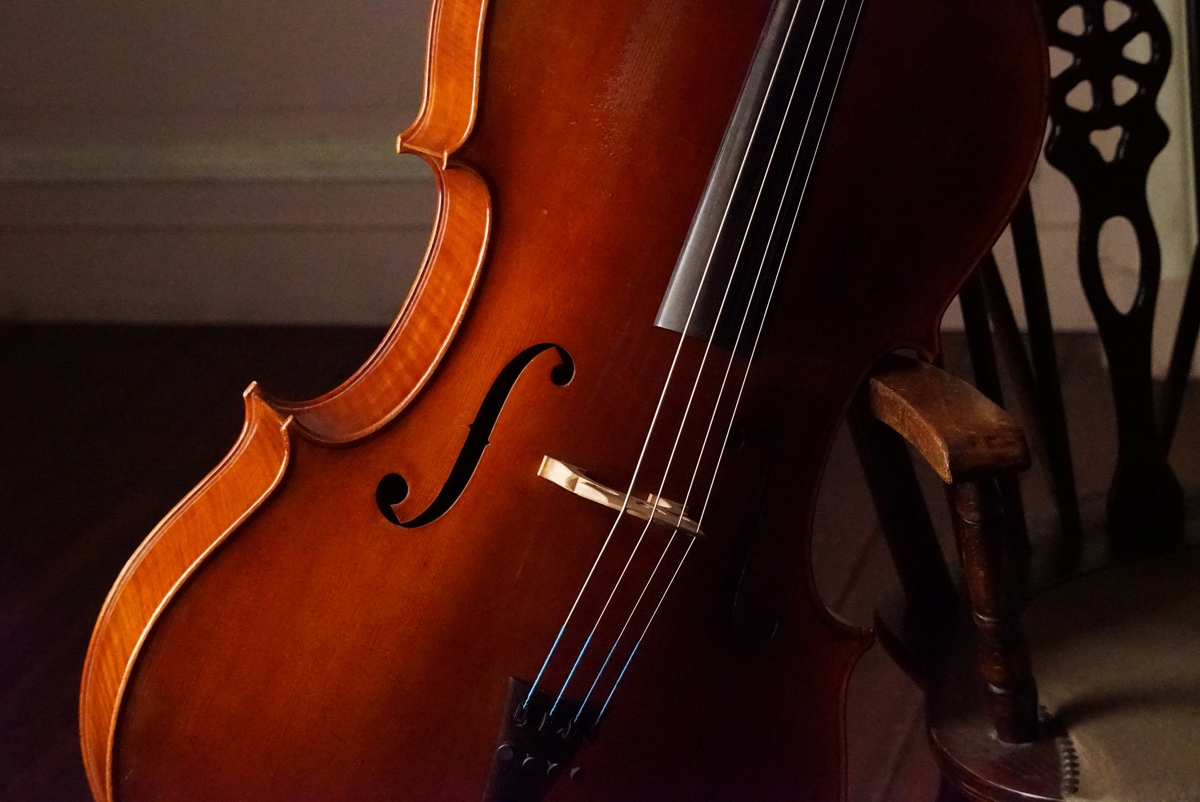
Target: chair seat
1116,654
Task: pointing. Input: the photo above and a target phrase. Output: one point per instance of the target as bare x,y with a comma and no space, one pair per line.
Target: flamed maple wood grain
439,298
319,652
201,520
452,73
377,392
418,339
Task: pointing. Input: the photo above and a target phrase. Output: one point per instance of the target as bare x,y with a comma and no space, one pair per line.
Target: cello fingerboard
722,281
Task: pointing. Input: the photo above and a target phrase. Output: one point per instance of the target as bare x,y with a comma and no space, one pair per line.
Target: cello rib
426,325
435,306
200,522
453,56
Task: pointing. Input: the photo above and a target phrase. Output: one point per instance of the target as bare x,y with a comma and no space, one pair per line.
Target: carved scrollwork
1110,182
1105,133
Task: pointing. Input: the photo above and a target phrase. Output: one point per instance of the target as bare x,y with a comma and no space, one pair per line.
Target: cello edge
431,315
221,501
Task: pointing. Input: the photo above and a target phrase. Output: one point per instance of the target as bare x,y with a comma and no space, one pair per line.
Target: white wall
233,162
1171,196
219,162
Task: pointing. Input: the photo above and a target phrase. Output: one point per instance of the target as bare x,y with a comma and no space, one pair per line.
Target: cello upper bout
430,316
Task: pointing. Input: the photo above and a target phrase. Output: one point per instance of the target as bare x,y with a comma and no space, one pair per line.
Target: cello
551,541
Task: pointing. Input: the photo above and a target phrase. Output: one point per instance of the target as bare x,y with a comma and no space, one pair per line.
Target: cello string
704,444
612,691
753,351
600,673
786,244
666,384
767,252
742,326
708,346
599,618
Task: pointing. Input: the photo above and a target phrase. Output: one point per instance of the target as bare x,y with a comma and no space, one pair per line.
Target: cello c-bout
537,546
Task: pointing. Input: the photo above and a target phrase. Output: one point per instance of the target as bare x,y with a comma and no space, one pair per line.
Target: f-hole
393,488
750,622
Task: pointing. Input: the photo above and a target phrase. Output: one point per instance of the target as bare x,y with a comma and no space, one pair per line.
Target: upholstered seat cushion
1116,655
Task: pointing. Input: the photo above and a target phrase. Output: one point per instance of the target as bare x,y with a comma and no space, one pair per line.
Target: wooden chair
1067,667
1042,683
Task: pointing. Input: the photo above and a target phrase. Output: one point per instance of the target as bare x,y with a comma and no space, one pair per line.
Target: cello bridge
653,508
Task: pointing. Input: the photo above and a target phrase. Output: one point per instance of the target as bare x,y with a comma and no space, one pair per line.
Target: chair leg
1003,656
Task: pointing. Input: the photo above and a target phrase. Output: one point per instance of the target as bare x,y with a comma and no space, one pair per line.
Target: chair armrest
955,428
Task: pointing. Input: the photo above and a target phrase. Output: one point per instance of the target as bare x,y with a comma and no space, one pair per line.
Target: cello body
277,637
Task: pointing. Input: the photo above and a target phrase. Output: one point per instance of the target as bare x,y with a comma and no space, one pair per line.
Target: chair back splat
1144,495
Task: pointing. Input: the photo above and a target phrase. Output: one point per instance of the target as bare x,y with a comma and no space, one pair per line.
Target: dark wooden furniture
1041,682
1069,663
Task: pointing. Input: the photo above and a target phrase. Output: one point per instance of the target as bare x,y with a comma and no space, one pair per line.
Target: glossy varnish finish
286,642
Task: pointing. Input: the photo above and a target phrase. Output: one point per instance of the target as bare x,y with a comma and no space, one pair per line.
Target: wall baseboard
290,232
312,231
310,159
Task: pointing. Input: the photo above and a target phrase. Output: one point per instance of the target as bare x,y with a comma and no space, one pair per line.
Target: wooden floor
103,429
